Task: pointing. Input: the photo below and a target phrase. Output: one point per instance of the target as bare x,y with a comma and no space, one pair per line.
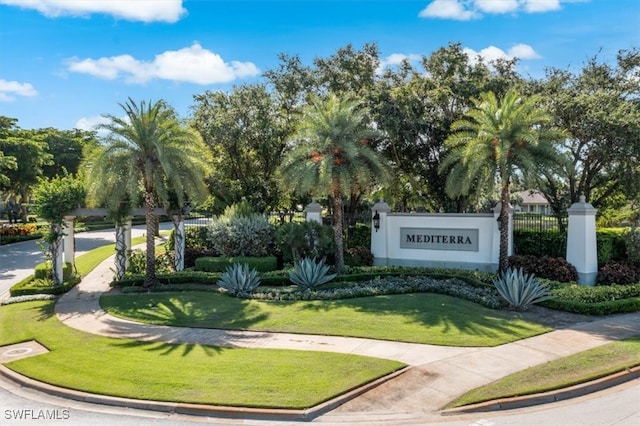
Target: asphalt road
18,260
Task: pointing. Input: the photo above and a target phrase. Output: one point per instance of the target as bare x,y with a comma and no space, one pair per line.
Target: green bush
179,277
195,237
220,264
32,285
306,239
138,262
552,243
610,245
358,236
242,236
43,270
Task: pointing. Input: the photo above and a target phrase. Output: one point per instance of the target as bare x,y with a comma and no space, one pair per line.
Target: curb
198,409
548,397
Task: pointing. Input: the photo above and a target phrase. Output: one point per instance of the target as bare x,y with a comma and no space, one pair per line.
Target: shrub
20,230
358,236
191,254
358,256
195,237
551,243
306,239
309,273
242,236
610,245
519,289
220,264
551,268
32,285
138,262
238,279
632,245
43,271
618,273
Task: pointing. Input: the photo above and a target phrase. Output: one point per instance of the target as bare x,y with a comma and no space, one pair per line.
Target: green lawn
180,373
419,318
574,369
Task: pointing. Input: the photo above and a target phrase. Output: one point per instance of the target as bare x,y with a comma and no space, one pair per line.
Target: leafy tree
414,108
6,163
148,151
493,143
30,153
66,148
246,132
600,112
331,157
54,199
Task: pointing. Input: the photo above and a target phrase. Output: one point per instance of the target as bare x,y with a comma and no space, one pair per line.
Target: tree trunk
150,278
503,262
337,228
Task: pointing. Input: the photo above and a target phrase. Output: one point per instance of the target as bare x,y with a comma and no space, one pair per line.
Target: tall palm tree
149,152
331,157
496,141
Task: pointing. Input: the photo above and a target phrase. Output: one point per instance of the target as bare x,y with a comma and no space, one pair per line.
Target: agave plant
309,273
521,290
238,279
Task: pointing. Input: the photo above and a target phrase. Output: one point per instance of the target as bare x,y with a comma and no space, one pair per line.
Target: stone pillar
69,240
379,236
314,212
581,241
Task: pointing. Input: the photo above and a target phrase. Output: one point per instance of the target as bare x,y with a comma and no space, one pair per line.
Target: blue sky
65,63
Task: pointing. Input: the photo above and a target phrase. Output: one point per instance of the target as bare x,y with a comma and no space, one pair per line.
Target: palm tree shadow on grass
165,348
447,313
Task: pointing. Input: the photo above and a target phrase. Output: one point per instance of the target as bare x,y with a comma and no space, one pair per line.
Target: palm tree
147,152
493,143
331,157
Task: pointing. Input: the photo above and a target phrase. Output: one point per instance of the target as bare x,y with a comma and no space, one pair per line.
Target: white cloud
90,123
464,10
497,6
146,11
190,64
10,89
535,6
492,53
447,9
396,59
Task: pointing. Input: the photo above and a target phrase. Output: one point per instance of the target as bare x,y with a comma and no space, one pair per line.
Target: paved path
439,374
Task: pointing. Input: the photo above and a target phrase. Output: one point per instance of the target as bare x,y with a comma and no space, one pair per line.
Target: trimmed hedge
42,270
32,285
220,264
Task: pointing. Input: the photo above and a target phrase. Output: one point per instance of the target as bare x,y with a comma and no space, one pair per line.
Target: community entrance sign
439,239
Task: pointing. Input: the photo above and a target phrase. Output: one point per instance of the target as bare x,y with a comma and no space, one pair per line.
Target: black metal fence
539,235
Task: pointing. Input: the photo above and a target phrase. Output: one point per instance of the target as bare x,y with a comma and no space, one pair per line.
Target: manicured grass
180,373
574,369
87,262
419,318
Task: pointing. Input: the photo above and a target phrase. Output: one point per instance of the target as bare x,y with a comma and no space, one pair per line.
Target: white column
581,241
379,236
314,212
121,250
69,241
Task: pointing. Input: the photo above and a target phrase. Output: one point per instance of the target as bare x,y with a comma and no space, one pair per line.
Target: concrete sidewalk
437,374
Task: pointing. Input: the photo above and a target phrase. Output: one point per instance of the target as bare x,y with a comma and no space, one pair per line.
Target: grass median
571,370
417,318
266,378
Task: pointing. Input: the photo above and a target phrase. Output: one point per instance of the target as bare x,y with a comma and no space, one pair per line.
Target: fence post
69,241
581,241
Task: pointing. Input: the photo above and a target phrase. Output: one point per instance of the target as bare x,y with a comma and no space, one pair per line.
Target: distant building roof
532,197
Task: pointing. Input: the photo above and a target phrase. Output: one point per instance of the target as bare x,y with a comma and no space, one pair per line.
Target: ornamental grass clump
521,290
238,279
309,273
